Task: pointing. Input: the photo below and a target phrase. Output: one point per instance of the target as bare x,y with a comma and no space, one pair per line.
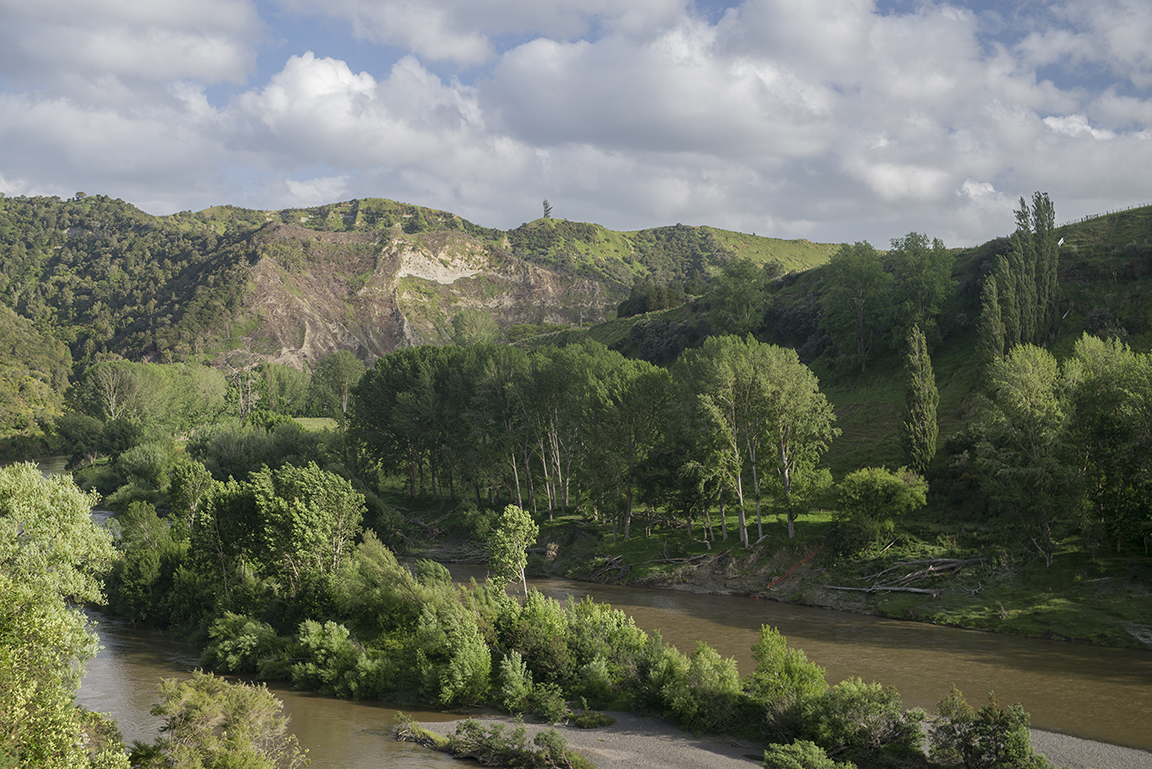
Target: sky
831,120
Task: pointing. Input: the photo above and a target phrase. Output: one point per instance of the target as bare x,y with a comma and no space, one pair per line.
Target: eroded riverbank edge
648,742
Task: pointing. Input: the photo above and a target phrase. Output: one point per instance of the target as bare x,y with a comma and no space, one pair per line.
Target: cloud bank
838,120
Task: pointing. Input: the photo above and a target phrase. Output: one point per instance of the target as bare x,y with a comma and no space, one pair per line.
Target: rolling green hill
92,278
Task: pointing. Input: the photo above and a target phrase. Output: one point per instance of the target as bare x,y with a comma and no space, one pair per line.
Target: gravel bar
646,742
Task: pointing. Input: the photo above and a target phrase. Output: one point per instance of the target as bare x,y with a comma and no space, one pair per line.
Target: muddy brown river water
1090,692
1095,693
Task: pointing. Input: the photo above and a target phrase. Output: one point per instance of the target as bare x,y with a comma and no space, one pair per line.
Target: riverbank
1079,599
646,742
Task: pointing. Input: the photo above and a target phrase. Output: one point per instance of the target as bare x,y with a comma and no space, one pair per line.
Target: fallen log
952,563
879,588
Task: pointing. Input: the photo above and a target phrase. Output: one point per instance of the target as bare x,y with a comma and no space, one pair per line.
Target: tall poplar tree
1009,308
919,430
990,326
1046,248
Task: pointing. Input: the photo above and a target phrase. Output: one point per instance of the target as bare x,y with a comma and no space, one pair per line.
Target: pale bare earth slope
311,293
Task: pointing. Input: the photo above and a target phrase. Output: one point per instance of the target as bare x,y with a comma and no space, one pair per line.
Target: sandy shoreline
646,742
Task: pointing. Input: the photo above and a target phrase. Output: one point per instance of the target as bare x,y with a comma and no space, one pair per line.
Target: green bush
597,683
494,746
782,684
864,722
431,574
329,656
539,631
240,645
701,692
548,703
801,754
592,719
454,661
870,500
146,464
515,684
989,738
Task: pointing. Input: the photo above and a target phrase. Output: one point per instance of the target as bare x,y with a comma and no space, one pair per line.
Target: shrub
801,754
863,721
431,574
990,738
783,682
539,631
210,722
515,684
870,499
592,719
597,683
329,655
454,661
495,747
702,691
548,703
240,644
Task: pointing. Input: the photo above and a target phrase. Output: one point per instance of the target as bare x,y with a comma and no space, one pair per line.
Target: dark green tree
857,302
918,428
739,296
332,385
1112,404
990,326
922,273
1009,292
1025,457
628,411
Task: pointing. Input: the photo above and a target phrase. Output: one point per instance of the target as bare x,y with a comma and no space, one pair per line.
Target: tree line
735,421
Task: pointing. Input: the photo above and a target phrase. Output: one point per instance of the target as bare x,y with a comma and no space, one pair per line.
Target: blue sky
834,120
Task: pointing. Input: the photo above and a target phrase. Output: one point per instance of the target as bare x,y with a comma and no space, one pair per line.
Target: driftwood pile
890,580
616,563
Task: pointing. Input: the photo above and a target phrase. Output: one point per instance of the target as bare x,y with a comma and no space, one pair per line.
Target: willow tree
52,558
1027,420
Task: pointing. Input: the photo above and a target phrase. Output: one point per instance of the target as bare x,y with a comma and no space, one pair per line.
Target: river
1096,693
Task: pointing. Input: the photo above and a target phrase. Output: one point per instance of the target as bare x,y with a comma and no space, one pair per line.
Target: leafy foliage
870,501
989,738
51,557
210,723
507,545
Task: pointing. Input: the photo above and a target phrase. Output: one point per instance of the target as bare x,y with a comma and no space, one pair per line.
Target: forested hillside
236,288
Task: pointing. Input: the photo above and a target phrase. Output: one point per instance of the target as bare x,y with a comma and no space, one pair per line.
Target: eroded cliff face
312,293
